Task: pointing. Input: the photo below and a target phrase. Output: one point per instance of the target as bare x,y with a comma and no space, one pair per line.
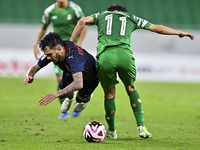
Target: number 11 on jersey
109,19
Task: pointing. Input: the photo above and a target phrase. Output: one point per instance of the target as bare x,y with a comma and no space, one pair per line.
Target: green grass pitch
171,110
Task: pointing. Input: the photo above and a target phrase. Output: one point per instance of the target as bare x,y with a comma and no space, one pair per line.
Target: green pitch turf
171,113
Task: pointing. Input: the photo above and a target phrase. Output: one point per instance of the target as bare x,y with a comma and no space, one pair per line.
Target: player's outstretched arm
182,34
39,37
160,29
30,74
80,26
75,85
82,36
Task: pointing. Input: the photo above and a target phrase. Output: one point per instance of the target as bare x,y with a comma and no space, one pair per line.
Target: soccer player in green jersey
114,56
64,16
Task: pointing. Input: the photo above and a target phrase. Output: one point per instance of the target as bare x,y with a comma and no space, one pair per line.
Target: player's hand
36,51
28,79
182,34
47,99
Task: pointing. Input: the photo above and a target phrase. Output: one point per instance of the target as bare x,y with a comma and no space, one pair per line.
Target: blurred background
158,57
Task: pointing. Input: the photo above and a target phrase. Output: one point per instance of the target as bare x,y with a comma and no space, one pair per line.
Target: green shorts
57,70
113,61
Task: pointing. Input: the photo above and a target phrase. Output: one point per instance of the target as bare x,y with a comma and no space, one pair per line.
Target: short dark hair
118,7
52,39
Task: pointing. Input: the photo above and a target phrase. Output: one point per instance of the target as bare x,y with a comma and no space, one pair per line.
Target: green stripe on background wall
175,13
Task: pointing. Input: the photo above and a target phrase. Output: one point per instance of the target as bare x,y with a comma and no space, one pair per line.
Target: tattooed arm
30,74
75,85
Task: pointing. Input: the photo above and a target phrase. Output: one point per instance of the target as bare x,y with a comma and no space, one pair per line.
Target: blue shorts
88,86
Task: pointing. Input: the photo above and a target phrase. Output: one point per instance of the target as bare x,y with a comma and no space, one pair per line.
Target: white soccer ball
94,132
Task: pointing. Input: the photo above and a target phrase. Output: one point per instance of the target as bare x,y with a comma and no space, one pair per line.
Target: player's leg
67,79
136,104
67,102
84,95
107,76
110,109
127,74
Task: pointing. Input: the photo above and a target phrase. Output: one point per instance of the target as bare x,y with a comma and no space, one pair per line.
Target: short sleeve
43,61
141,23
45,17
95,18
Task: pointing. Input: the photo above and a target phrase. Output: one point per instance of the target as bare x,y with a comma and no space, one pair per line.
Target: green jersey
115,28
63,20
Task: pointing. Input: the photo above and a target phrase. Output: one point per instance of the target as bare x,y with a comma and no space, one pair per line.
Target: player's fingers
47,102
25,81
42,103
42,100
191,37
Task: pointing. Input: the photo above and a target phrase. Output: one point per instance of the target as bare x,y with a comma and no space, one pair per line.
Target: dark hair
52,39
118,7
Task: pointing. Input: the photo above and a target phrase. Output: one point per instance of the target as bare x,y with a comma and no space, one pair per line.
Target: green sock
109,106
136,105
60,99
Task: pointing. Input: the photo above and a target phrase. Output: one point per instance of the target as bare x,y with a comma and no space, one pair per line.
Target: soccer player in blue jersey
79,71
114,56
63,15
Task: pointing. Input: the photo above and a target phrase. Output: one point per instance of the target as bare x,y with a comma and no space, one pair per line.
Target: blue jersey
77,60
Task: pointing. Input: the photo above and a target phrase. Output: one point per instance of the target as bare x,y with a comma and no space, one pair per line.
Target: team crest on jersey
54,17
69,17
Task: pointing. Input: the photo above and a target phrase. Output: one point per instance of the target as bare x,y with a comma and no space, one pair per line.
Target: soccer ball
94,132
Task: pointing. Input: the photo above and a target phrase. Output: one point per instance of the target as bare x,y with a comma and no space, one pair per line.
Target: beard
57,59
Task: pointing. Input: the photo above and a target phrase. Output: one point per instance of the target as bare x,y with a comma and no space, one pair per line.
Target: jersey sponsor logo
69,17
54,17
